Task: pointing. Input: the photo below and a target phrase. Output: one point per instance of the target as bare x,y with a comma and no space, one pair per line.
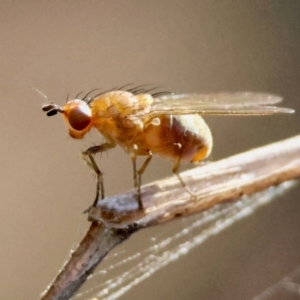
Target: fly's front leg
88,157
137,177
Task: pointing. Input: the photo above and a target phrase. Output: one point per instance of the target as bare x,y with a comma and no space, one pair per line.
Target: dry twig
116,218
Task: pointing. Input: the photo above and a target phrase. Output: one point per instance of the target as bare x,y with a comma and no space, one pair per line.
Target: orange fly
163,124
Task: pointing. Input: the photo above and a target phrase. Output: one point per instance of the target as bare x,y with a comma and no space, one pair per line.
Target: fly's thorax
115,115
120,104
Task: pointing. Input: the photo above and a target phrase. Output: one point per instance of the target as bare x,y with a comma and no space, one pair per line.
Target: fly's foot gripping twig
88,157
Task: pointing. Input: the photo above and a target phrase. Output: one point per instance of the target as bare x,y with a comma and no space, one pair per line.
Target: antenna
51,108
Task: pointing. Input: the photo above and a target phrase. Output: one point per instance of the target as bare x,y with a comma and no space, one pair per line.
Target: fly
164,124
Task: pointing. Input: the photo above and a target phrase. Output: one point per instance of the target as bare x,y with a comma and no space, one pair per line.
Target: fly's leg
137,177
88,157
135,180
176,168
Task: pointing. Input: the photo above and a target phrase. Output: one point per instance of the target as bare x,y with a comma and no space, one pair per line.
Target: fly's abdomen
185,137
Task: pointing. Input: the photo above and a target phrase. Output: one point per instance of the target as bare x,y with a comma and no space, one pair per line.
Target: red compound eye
80,117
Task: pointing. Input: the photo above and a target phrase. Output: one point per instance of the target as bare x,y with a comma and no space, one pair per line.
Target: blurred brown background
65,47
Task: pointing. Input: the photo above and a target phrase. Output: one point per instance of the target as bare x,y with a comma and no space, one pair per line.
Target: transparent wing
240,103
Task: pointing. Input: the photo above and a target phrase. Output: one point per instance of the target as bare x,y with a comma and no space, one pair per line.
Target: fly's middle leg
137,176
88,157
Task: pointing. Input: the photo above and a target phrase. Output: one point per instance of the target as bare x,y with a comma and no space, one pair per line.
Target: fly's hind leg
137,176
88,157
176,168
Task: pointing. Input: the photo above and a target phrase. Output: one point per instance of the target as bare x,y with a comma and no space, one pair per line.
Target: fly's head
77,115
